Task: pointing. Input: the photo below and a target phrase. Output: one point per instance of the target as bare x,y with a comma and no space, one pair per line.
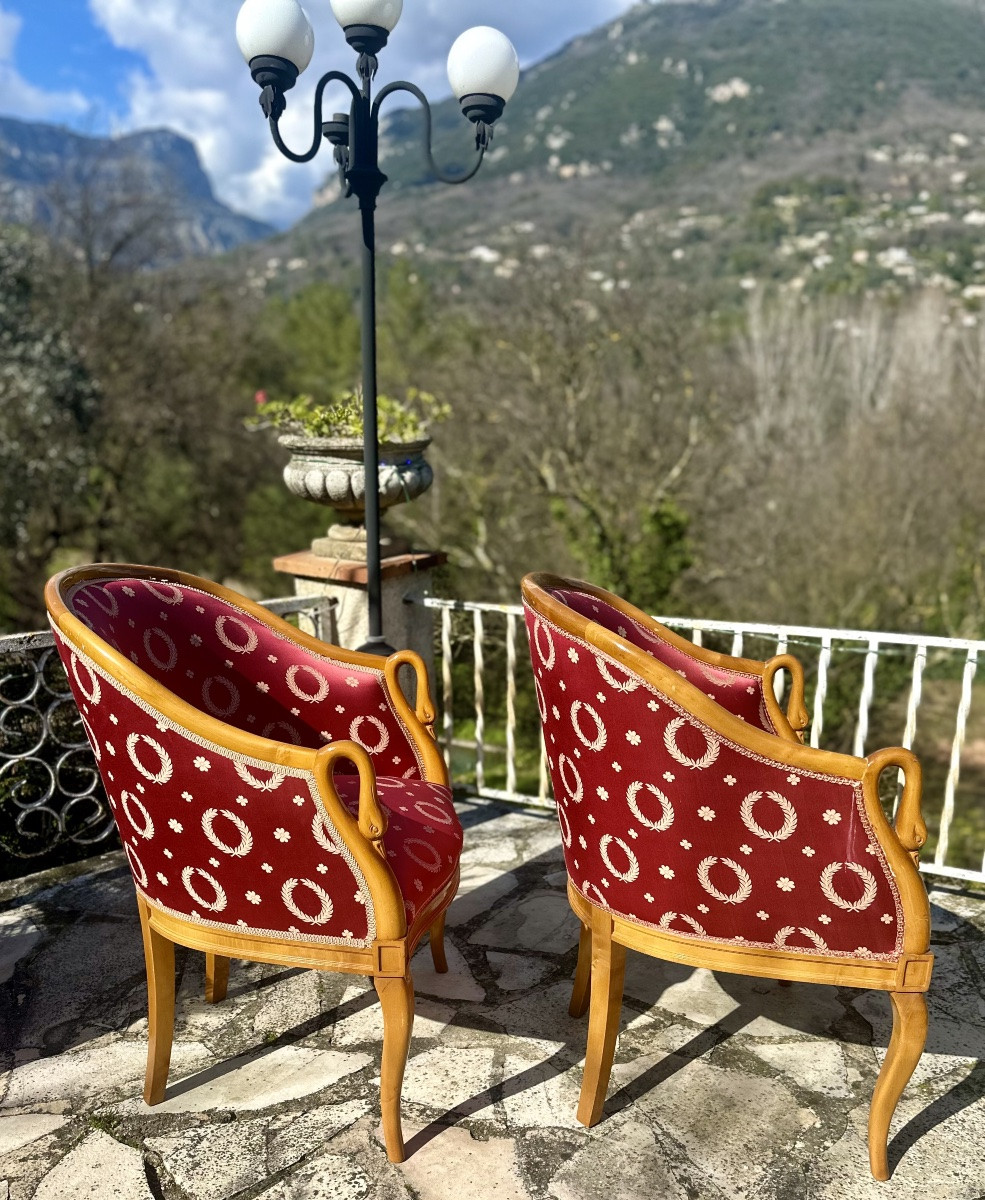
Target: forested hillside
835,144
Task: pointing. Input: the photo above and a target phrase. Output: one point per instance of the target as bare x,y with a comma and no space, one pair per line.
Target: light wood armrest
911,829
423,706
797,715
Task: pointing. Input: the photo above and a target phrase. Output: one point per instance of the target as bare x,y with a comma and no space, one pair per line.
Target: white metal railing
930,691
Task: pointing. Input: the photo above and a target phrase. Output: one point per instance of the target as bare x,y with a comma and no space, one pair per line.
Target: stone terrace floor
723,1086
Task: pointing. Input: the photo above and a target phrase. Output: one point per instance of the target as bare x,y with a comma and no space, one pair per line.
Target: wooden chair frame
605,936
387,960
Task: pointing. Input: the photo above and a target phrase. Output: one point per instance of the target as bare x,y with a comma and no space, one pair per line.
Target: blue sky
107,66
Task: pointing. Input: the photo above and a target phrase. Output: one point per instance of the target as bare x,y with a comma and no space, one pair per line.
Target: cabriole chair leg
608,973
437,939
397,1002
905,1047
583,975
159,960
216,978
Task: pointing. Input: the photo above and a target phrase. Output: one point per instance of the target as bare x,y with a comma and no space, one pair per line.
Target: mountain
836,143
145,189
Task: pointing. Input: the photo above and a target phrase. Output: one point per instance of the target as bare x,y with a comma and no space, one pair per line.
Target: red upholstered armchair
693,833
278,799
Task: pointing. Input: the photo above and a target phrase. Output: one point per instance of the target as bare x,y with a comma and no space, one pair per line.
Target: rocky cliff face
147,189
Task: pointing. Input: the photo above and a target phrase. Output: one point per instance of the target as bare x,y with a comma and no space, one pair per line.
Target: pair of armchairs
281,800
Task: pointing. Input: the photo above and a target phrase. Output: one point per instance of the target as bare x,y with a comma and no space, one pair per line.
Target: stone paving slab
723,1087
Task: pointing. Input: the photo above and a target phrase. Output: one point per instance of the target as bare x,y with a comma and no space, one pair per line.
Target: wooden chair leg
608,972
583,975
905,1047
159,960
216,978
437,938
397,1002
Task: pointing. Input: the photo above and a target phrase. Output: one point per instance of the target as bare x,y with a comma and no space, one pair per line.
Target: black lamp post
277,41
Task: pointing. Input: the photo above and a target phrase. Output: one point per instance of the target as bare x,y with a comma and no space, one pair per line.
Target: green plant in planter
405,420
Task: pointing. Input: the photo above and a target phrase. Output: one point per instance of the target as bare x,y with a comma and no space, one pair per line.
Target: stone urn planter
330,471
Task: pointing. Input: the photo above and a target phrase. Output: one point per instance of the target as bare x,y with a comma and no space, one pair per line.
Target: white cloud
197,83
23,99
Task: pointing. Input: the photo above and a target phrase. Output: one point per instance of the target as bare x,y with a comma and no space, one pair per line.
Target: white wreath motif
541,702
261,785
548,661
653,638
629,876
378,725
246,838
626,686
789,817
94,696
669,918
147,832
788,930
565,824
573,794
94,591
864,901
172,649
97,752
136,866
176,595
220,901
431,810
587,887
667,817
292,733
287,895
696,764
601,736
432,867
252,641
323,835
166,767
292,683
210,704
745,883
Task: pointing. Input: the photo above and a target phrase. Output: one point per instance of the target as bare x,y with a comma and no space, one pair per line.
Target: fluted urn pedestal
330,471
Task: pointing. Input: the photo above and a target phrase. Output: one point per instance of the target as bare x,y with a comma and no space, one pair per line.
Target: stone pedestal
406,577
348,543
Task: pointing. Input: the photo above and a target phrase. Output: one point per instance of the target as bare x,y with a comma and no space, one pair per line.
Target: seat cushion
423,840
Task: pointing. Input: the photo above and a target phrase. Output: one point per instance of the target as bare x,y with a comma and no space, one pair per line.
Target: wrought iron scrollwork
50,791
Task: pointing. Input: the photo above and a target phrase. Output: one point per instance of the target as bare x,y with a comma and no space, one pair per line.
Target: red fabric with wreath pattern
222,660
675,827
423,840
240,844
741,694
